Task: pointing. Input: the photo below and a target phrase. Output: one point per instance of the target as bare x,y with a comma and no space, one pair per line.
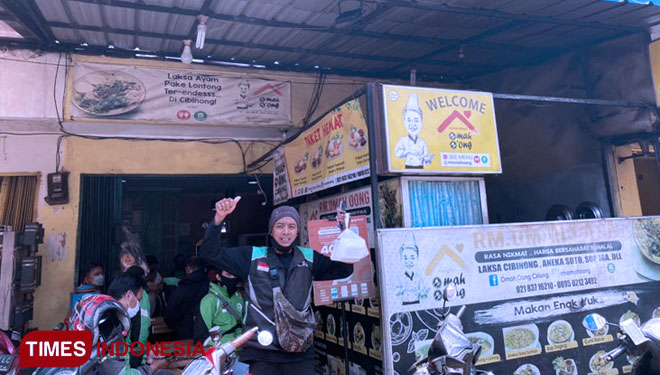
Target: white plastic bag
349,247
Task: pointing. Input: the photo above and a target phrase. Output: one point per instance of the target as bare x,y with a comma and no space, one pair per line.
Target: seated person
156,292
93,278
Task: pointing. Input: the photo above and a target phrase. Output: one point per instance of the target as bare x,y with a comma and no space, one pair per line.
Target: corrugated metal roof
456,38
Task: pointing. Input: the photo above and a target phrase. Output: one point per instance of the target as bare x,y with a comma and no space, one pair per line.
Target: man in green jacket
223,307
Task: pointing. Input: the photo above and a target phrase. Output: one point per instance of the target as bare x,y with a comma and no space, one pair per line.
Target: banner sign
123,92
360,285
526,287
434,130
330,153
356,202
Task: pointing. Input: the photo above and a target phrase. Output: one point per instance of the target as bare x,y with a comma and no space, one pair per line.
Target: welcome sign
434,130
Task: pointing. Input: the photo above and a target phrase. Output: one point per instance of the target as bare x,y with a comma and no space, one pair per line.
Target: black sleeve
175,309
235,260
136,326
326,269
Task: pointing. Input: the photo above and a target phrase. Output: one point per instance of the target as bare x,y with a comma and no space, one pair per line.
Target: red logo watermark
55,349
158,349
74,348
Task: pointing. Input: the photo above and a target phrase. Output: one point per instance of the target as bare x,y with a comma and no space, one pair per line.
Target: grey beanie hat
280,212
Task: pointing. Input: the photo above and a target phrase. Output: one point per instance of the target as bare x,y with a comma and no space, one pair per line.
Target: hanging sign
332,152
430,131
132,93
526,288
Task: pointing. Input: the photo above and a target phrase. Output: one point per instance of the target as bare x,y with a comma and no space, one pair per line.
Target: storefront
493,158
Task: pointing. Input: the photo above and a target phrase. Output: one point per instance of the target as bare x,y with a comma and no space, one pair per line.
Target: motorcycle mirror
450,292
265,338
594,322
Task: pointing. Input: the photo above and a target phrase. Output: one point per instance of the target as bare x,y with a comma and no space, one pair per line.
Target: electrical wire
256,178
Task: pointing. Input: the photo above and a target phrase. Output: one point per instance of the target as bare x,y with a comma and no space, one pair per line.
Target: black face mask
280,248
230,284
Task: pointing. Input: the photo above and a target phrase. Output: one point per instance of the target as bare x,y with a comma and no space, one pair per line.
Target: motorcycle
451,352
8,355
221,358
639,342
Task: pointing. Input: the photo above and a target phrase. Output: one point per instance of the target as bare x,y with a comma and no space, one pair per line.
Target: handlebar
614,353
224,352
244,337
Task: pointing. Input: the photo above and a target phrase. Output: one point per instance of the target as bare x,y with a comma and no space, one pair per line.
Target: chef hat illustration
411,244
413,105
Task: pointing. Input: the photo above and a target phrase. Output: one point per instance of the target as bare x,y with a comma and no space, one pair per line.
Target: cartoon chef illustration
243,101
411,148
410,286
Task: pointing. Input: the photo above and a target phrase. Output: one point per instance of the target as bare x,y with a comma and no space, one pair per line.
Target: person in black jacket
295,267
184,301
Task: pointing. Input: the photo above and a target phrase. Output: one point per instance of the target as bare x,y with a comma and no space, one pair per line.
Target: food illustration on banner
560,331
359,336
647,237
316,158
319,320
356,138
485,340
410,286
401,326
375,337
335,147
301,164
630,315
417,337
527,369
331,328
520,338
108,93
412,148
598,364
564,366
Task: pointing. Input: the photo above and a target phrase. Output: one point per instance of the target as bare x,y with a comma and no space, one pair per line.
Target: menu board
322,235
526,287
332,152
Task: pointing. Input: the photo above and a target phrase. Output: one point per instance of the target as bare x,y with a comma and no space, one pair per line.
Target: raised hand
223,208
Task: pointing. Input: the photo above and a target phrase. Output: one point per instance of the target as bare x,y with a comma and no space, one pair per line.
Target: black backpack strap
228,307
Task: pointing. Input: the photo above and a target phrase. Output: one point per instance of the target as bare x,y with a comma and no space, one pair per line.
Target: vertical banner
435,130
332,152
281,186
322,234
526,288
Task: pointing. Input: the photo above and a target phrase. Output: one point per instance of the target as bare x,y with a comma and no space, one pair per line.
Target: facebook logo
492,280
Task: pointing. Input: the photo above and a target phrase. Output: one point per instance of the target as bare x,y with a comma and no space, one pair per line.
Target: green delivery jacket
215,314
144,331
